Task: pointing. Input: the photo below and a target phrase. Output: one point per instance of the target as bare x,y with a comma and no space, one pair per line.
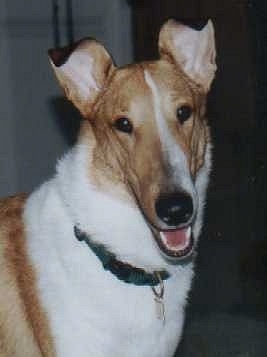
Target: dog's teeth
188,232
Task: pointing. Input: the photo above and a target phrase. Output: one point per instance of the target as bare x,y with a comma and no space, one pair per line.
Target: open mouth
177,244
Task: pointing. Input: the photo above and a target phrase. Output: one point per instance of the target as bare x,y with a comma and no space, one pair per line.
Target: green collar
121,270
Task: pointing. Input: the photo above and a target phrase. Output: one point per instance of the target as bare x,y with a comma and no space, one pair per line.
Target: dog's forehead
131,81
168,78
128,81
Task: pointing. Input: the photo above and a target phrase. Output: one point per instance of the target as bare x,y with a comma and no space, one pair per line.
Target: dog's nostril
174,209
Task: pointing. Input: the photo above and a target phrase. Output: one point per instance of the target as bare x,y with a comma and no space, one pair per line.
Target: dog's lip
180,250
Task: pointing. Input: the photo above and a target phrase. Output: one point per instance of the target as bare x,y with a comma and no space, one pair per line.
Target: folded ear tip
59,56
53,55
194,24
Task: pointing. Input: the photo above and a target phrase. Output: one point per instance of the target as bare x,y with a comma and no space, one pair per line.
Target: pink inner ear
198,49
59,56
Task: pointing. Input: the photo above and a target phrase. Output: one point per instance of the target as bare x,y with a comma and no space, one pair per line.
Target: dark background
227,312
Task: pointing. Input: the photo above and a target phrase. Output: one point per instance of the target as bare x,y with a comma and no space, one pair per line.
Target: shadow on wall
67,118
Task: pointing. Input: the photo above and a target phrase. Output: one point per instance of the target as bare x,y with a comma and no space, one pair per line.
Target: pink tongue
176,238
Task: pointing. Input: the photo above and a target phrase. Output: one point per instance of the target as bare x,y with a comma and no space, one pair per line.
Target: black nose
174,209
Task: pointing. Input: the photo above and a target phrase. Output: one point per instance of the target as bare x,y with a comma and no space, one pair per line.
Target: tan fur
116,156
24,330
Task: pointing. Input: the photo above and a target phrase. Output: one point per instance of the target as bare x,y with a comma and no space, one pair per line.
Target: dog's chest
91,312
114,320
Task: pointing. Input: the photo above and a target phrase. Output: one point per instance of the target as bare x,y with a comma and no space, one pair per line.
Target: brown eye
123,124
183,113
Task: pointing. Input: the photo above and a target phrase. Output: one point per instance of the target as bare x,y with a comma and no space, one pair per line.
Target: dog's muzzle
176,212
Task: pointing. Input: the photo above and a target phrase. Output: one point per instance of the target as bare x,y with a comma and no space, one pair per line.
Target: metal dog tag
158,297
160,308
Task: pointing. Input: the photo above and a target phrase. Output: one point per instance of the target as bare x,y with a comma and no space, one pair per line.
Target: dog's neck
123,271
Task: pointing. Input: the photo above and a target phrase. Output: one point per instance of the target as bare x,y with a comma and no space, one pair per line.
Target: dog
98,261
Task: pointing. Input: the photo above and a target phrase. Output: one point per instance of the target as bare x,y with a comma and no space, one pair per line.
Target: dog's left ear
194,51
82,70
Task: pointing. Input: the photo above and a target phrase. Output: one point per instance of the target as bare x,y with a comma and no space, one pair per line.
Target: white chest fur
91,312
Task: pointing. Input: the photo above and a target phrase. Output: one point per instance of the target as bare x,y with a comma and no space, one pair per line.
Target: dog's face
148,122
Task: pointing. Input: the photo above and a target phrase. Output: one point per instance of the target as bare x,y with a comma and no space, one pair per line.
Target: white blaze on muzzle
172,152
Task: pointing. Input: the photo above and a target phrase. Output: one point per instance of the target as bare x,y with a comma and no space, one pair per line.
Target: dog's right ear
82,70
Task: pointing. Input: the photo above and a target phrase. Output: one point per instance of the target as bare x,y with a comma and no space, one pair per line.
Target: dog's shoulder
11,209
11,222
19,302
11,205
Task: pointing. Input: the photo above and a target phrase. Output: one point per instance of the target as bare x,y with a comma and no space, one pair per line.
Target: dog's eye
124,124
183,113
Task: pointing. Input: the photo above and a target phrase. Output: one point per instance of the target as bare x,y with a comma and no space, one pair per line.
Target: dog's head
148,122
